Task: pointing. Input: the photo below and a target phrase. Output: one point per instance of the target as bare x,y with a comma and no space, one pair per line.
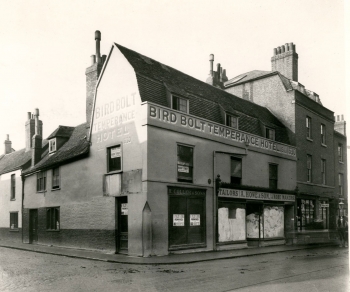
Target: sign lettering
253,195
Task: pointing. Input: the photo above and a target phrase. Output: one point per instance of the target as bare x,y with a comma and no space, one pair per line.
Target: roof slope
62,131
205,100
76,146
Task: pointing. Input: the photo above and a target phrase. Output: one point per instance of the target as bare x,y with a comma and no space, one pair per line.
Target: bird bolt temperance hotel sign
175,118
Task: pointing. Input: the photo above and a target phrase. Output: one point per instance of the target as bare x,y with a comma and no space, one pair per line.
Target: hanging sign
124,209
195,219
178,220
182,168
115,152
324,205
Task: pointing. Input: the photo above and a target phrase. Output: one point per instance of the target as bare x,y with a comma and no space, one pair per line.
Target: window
184,163
114,158
52,145
308,127
309,167
273,176
232,121
180,104
13,220
323,134
340,152
13,186
323,171
305,212
41,181
236,171
56,178
340,183
53,218
270,133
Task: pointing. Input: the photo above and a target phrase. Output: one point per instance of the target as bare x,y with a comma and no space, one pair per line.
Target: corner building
187,166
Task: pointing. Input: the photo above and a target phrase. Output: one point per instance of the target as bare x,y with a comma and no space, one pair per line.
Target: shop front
253,218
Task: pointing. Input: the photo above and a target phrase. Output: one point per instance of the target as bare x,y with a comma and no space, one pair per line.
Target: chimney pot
274,51
291,47
282,49
36,112
8,137
93,59
286,47
97,35
29,115
211,57
8,145
342,117
278,50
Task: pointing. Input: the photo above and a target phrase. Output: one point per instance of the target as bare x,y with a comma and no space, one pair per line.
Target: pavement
156,260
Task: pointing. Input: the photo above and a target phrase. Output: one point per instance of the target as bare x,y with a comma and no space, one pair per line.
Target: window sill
309,139
13,200
114,172
14,230
323,145
341,162
58,189
49,230
41,191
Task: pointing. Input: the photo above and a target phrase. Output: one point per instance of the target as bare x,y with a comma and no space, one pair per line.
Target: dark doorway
122,211
254,223
33,226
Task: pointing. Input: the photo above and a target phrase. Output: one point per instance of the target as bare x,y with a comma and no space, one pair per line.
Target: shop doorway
121,219
254,224
33,226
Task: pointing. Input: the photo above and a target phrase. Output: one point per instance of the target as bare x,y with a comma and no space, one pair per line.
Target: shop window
341,184
323,134
180,104
232,121
236,171
309,168
270,133
273,176
273,221
323,171
231,222
53,218
340,152
56,178
184,163
186,217
323,213
13,220
306,210
52,145
308,127
41,181
13,186
114,158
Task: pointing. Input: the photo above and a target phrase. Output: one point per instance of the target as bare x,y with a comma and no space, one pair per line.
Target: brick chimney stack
92,73
8,145
218,77
340,125
285,61
30,130
37,140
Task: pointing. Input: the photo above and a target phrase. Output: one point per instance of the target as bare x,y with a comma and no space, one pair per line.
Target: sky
45,47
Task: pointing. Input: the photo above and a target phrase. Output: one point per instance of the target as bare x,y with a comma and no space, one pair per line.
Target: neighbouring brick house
321,176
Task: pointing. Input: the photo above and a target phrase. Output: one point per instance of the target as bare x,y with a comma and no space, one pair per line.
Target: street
319,269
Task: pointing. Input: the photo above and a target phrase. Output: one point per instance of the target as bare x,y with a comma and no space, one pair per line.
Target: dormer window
52,145
180,104
232,121
270,133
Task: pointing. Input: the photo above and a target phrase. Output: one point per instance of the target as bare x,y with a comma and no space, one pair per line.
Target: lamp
341,206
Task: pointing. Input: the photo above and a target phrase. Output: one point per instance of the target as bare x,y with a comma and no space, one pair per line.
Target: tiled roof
17,160
62,131
205,100
76,146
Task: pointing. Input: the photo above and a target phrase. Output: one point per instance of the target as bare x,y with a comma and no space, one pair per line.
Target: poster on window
182,168
178,220
124,209
115,152
195,220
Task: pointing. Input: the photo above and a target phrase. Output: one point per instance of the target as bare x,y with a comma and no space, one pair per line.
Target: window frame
272,179
229,121
308,127
11,220
323,134
268,131
190,164
340,152
341,184
52,142
234,179
13,187
58,178
41,181
53,213
108,150
175,103
309,169
323,171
